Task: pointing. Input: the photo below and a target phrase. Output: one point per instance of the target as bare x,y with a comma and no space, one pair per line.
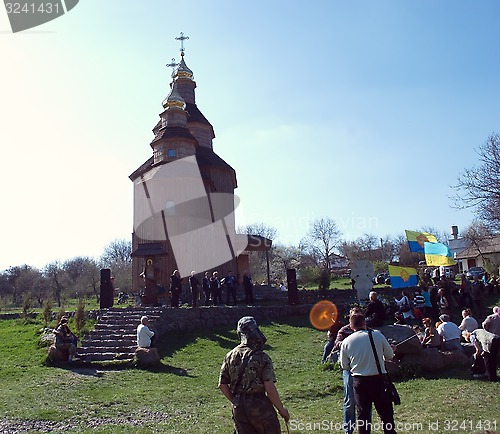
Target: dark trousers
216,296
231,293
249,295
175,298
490,360
196,295
206,291
255,415
368,391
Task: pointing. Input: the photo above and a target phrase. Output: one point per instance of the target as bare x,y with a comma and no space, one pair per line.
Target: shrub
26,308
62,312
47,311
80,318
309,275
324,279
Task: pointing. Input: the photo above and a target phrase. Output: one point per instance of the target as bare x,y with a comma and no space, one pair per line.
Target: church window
172,153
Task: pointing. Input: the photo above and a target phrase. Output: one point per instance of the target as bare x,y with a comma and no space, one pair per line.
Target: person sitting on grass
65,339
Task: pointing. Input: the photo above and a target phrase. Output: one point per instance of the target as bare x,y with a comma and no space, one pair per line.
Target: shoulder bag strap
244,364
374,352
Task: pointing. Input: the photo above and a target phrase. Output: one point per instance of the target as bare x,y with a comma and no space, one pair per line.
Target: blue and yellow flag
416,240
437,254
403,277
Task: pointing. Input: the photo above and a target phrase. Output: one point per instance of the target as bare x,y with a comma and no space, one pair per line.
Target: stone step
112,326
103,334
105,357
105,350
129,315
115,335
110,343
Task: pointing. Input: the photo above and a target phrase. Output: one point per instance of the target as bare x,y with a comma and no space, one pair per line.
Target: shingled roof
204,156
174,133
485,246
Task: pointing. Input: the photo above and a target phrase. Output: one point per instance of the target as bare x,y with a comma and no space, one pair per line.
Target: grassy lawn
181,396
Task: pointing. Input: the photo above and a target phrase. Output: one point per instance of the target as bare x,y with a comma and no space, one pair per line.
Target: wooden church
184,198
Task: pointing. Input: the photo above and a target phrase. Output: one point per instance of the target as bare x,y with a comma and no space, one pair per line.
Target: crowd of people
350,345
211,289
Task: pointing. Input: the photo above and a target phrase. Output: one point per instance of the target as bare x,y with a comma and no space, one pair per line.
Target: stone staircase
114,337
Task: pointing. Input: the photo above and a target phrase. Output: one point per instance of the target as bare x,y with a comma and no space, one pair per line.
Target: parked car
475,271
382,278
449,273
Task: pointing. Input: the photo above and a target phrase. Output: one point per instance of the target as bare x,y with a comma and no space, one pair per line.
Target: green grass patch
181,395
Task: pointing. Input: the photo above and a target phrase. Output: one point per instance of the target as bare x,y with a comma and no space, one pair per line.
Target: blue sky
362,111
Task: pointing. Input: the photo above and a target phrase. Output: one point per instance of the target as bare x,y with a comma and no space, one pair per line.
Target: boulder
57,354
393,368
429,359
147,356
403,336
455,358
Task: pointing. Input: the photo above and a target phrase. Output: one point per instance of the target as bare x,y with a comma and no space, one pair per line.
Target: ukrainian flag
403,277
437,254
416,240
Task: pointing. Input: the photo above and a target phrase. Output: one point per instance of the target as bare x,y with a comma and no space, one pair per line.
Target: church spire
182,70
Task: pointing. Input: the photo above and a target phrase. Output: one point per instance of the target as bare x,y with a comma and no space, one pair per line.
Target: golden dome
182,70
174,100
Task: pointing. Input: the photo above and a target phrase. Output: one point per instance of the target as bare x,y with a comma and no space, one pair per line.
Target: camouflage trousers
255,414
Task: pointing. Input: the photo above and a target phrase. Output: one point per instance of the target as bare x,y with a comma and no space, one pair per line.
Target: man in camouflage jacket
247,381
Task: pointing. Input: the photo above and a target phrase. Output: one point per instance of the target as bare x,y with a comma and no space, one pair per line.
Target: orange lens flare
323,314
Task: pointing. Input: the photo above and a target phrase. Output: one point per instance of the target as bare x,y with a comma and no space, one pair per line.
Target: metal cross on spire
172,65
182,38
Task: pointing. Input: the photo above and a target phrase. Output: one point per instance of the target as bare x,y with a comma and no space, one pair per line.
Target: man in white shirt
356,355
468,324
492,322
487,345
144,333
450,333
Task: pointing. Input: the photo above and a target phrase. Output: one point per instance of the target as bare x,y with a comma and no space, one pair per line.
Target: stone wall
203,318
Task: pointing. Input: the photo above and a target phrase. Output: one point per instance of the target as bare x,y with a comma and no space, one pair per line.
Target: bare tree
118,257
479,186
117,251
369,247
322,240
261,229
84,275
257,260
24,282
57,278
479,235
282,258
